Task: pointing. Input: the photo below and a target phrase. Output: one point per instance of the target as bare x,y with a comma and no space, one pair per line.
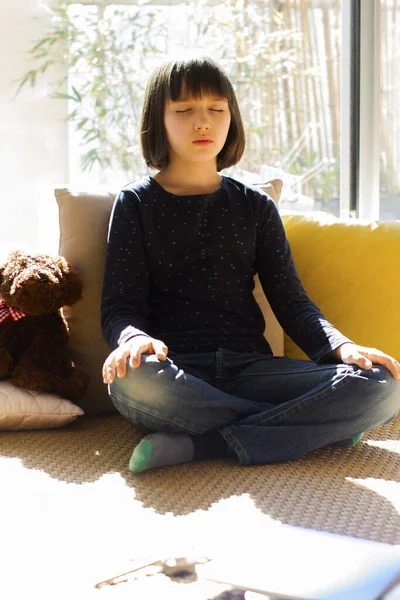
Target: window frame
360,109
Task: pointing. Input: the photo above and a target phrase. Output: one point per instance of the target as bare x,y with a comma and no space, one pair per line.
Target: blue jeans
268,409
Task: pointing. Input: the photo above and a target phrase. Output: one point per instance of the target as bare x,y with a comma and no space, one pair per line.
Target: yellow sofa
350,268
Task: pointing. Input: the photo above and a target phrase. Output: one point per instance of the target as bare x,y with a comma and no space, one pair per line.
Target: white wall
33,138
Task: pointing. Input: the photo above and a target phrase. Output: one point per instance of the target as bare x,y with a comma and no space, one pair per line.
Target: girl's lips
202,142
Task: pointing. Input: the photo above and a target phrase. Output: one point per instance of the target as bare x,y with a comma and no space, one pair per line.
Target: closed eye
186,110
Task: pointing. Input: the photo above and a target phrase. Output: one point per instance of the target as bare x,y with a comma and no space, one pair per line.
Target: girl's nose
201,122
199,126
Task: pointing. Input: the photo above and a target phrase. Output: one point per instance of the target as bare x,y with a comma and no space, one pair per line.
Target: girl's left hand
364,357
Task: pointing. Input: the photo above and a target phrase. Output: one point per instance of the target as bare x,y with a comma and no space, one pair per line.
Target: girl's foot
350,442
164,449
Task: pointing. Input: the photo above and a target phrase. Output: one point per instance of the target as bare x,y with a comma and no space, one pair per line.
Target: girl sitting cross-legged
190,366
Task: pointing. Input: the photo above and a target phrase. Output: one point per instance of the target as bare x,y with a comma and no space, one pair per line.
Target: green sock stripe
141,457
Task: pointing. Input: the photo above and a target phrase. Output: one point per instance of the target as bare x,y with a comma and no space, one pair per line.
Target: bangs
196,78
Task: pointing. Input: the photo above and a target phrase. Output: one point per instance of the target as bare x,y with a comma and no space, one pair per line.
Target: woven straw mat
348,491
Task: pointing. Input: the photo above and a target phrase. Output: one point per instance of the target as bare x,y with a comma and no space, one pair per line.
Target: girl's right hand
115,363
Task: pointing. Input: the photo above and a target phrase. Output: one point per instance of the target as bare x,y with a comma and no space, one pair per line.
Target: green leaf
91,135
40,43
78,97
61,96
89,159
46,65
32,78
82,123
27,77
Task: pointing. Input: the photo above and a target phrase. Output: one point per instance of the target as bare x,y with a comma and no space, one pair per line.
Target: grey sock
161,449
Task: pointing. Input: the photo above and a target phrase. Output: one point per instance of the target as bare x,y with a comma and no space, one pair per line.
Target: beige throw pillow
23,409
84,218
273,331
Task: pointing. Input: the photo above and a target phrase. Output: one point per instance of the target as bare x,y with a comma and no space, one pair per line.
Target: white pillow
21,409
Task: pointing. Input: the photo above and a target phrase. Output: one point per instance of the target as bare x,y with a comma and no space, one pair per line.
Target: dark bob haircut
194,77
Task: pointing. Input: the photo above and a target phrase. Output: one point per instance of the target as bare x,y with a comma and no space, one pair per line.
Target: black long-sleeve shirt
181,269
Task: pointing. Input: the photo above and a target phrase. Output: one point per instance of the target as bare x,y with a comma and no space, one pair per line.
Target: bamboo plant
110,50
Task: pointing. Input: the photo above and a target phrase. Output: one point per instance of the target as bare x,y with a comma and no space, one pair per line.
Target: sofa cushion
273,331
83,219
350,268
23,409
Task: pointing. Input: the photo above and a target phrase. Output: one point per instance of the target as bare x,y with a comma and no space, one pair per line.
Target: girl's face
196,128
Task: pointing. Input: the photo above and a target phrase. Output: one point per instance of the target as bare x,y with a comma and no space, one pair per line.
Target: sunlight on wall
33,144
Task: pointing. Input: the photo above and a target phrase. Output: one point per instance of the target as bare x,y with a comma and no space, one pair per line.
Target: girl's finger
380,358
360,361
135,354
121,366
390,364
110,375
160,350
118,363
108,371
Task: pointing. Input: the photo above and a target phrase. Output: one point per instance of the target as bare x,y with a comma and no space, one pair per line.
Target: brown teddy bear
33,331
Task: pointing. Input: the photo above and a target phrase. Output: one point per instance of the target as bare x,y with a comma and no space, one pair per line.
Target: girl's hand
363,357
115,363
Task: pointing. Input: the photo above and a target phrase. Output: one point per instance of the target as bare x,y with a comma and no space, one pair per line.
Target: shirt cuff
324,357
129,333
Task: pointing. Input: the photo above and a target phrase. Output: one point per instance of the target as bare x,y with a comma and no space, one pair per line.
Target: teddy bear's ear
1,273
72,285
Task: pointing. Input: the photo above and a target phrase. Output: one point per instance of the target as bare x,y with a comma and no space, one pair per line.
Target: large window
284,60
290,62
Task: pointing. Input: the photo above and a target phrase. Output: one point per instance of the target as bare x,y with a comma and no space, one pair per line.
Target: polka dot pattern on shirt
181,269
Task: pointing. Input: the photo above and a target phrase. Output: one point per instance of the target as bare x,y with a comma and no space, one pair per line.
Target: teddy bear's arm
6,348
45,361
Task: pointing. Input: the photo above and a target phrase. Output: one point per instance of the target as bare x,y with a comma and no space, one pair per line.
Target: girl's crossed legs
261,408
